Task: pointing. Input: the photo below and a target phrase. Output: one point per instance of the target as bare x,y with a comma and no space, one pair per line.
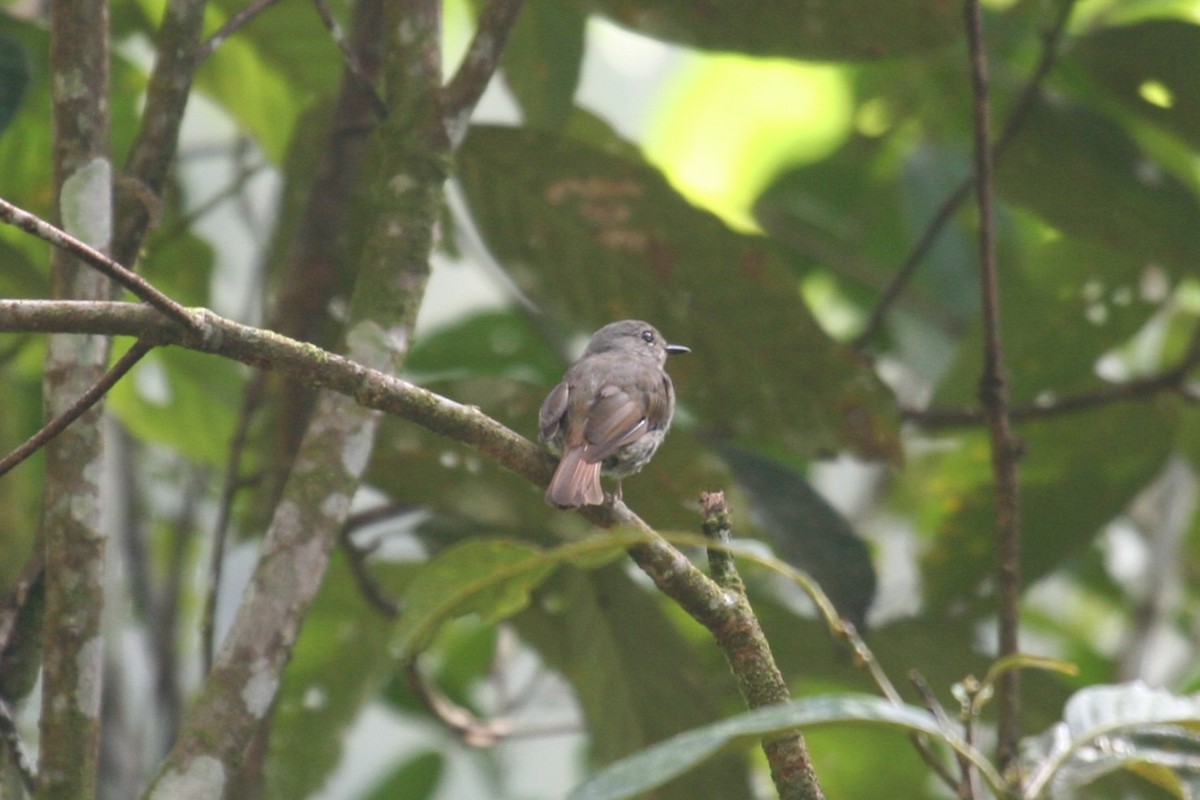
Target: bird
610,413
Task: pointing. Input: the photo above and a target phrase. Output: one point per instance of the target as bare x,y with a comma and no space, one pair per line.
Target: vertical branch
993,394
74,544
749,655
407,178
150,159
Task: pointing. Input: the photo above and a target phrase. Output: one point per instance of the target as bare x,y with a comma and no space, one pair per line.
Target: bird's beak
677,349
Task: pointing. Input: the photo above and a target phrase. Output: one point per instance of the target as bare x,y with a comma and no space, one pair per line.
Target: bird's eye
648,337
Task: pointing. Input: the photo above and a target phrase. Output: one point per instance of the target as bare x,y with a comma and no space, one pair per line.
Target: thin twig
993,395
30,223
1050,41
479,64
251,398
1174,379
231,26
356,557
965,786
88,399
353,65
469,728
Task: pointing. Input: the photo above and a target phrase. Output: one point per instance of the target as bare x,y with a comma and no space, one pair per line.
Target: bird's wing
616,418
551,414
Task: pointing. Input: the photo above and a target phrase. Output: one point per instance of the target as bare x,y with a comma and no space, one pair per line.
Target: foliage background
753,207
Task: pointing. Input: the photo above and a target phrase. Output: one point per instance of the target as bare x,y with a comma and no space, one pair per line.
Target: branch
993,395
239,694
73,412
139,196
69,530
478,66
750,659
267,350
231,26
93,258
1050,41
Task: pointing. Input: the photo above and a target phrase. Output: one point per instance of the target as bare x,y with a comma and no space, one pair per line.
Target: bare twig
231,26
1050,41
353,66
251,397
993,395
965,786
88,399
89,255
469,728
138,198
356,557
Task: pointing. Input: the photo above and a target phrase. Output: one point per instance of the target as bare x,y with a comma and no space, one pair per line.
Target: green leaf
490,577
1071,484
807,532
830,30
14,79
416,779
1082,173
1127,726
598,237
494,343
542,61
656,765
255,93
293,40
636,678
186,400
1150,69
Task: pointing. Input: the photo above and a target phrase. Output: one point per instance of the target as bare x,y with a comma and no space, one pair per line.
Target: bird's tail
576,482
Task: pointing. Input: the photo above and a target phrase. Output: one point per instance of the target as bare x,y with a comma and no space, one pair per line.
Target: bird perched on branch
610,412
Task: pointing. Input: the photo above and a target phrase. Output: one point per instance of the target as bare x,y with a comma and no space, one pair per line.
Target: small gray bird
610,413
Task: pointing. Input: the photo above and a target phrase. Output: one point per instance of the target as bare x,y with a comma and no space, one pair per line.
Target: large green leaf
814,29
542,61
254,92
14,78
653,766
635,677
597,237
1150,68
1129,726
187,400
415,779
1083,174
807,532
1079,472
292,38
1080,294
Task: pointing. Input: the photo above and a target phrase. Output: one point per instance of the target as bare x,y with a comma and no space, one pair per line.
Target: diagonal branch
73,412
479,64
139,191
232,26
945,212
32,224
